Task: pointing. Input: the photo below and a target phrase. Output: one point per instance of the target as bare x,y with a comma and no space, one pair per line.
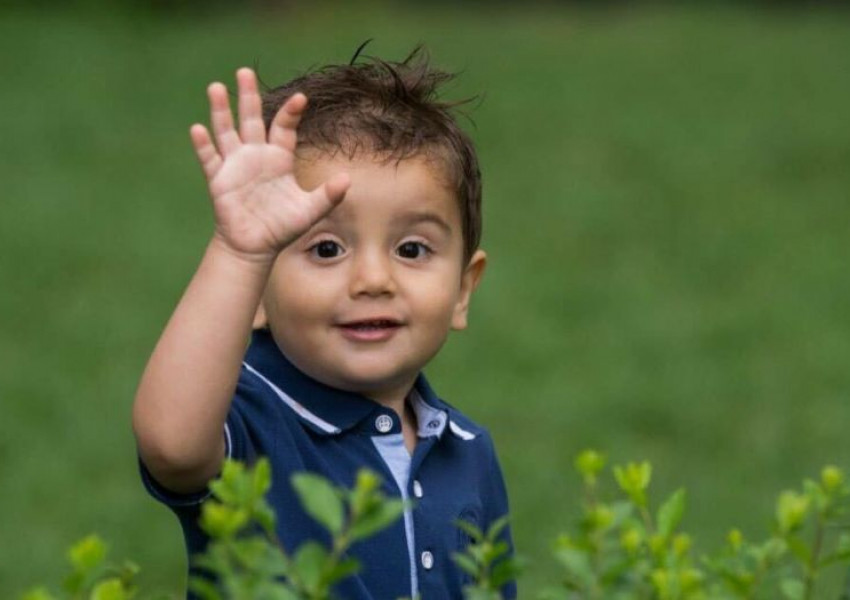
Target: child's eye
413,250
326,249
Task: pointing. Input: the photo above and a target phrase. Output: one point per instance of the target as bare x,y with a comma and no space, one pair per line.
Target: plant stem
812,567
647,519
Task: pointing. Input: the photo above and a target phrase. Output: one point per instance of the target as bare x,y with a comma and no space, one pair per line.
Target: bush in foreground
619,549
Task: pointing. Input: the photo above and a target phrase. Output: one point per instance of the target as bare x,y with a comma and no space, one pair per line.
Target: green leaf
833,558
466,563
345,568
841,552
87,554
216,558
799,549
250,552
39,593
670,513
497,526
775,548
477,593
471,530
276,592
616,571
109,589
309,563
261,477
792,508
577,564
589,463
550,594
380,517
320,499
366,484
792,589
771,550
204,588
222,521
493,551
128,571
598,517
832,479
634,480
229,485
506,570
266,518
623,510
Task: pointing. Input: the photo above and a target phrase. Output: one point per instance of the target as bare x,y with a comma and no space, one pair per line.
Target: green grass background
667,208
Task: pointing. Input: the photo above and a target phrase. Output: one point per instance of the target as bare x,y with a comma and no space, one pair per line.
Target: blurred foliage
622,549
244,559
619,548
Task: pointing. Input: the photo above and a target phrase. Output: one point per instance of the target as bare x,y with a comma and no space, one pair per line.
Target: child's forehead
406,191
316,161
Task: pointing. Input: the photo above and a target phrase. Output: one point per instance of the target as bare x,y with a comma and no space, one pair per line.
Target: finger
282,130
326,197
222,119
205,150
251,127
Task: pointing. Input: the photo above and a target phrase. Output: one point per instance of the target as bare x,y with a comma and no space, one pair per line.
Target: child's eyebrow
427,217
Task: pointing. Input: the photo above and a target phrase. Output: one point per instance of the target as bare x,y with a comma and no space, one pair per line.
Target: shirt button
384,423
427,560
417,489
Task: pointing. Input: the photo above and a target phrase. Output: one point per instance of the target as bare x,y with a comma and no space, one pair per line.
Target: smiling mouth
371,325
370,330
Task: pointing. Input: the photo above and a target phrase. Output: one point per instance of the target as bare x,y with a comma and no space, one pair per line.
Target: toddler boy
347,224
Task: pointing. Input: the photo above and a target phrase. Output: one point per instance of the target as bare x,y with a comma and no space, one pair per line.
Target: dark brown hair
390,110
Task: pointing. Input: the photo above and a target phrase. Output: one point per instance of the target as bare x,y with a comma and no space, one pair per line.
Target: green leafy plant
487,561
623,549
91,576
620,548
246,555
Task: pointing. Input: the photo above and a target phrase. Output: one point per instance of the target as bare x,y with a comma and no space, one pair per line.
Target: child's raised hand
259,206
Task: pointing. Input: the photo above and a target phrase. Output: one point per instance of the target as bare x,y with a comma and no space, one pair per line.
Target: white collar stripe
460,432
294,405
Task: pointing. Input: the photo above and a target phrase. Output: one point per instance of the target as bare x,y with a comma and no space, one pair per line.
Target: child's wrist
261,262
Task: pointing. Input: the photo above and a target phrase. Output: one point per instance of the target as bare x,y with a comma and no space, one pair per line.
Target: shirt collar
327,409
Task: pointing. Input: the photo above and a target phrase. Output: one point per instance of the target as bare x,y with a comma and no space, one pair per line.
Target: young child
347,224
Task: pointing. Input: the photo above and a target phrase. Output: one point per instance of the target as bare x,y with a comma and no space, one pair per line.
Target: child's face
367,297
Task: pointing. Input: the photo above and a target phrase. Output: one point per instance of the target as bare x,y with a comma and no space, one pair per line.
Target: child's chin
377,380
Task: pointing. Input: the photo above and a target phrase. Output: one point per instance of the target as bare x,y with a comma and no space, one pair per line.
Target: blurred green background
667,204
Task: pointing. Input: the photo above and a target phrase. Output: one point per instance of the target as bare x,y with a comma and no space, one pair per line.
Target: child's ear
261,319
469,281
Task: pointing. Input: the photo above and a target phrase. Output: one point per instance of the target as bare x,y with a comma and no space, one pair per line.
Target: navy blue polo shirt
304,425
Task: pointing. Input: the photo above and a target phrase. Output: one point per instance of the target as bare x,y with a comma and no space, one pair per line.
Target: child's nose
372,274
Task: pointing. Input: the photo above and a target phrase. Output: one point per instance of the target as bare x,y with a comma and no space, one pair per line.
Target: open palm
259,206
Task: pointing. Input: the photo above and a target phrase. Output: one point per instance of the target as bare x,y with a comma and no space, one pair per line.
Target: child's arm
183,397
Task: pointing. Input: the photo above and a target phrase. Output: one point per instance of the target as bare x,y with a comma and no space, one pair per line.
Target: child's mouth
368,325
372,330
